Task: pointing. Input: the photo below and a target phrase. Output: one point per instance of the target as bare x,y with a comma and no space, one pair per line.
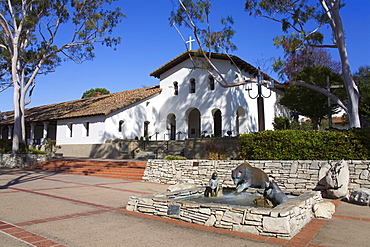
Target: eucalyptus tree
36,36
302,19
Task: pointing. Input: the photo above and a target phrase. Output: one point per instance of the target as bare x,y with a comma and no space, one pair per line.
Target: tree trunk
22,109
17,119
17,128
352,90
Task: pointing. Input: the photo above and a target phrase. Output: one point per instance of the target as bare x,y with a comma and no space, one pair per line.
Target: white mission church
188,103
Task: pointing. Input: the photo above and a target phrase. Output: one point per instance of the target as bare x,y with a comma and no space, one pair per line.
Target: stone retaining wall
22,160
283,221
291,175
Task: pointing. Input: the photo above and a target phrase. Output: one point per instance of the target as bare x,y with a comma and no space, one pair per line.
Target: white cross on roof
190,42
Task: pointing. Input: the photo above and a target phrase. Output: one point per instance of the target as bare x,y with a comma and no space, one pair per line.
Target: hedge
306,145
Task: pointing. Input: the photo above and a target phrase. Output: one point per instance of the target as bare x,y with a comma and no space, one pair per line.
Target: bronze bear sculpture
245,176
274,194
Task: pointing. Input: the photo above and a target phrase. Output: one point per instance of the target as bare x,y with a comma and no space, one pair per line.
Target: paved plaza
40,208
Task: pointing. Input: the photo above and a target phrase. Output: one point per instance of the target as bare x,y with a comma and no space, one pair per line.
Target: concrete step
101,168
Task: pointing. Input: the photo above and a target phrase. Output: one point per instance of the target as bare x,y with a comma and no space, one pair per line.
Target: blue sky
148,42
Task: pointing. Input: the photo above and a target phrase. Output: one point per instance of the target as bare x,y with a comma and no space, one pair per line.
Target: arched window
87,128
176,87
120,125
192,85
211,83
146,128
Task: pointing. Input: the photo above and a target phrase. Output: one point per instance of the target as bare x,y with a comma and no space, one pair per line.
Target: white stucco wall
157,110
96,131
227,100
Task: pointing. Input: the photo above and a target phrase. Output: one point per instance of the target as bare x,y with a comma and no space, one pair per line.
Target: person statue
213,186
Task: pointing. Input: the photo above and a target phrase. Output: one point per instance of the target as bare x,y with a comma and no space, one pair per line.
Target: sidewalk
51,209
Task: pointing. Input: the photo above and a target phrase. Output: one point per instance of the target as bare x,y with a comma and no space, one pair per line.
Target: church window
87,128
120,125
211,83
176,87
70,128
146,128
192,85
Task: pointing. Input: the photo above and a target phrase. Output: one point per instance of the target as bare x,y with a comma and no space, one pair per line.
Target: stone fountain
282,221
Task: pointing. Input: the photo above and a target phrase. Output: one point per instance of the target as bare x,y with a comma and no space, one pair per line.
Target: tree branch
334,98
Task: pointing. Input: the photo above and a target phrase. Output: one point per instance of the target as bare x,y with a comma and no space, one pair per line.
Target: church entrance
171,124
217,123
194,123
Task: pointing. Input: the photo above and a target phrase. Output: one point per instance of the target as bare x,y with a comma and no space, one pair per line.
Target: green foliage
306,145
195,15
35,151
30,42
6,148
296,15
281,123
362,79
173,157
308,102
92,92
50,146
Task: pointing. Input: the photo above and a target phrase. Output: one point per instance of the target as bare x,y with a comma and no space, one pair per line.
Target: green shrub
5,146
173,157
281,123
35,151
306,145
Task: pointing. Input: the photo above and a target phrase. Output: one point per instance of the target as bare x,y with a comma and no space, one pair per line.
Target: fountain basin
283,221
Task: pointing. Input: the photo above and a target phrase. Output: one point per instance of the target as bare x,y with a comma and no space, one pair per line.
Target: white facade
190,105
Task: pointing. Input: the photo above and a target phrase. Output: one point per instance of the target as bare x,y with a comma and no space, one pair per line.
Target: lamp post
260,82
269,84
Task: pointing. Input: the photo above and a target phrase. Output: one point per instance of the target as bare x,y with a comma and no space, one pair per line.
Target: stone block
364,174
146,201
324,210
360,196
130,208
210,221
219,215
294,168
205,211
232,217
253,217
276,225
145,210
247,229
253,223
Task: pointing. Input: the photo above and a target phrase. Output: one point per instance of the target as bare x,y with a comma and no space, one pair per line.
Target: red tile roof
93,106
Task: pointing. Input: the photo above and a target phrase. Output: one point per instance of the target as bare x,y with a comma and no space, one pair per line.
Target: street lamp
269,84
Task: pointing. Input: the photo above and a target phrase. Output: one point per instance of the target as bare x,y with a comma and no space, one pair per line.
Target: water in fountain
229,196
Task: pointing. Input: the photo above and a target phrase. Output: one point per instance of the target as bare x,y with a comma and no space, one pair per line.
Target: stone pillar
32,133
10,132
45,132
